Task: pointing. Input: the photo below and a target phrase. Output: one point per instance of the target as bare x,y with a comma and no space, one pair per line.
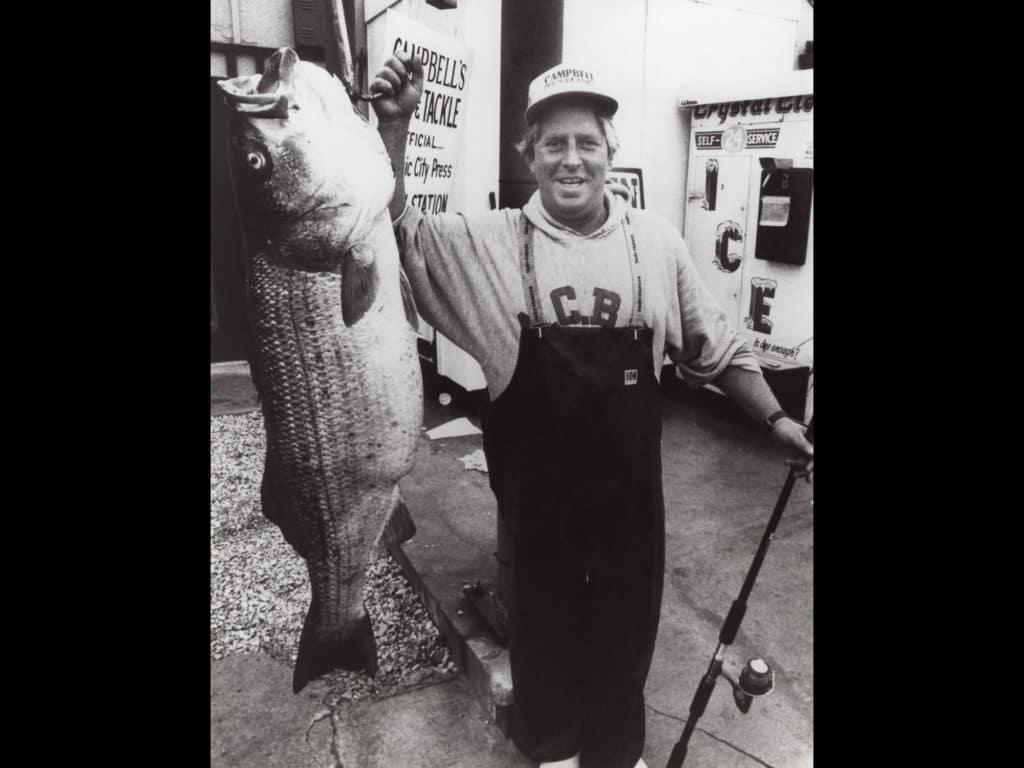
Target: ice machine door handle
784,213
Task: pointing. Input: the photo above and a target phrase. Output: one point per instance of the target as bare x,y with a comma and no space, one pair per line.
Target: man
569,305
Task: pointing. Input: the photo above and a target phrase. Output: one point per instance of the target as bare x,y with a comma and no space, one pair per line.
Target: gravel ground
259,587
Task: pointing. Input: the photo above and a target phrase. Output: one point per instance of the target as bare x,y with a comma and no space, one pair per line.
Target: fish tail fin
408,302
322,650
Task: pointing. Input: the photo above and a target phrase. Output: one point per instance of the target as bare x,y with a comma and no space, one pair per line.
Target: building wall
651,50
481,149
266,23
804,27
262,23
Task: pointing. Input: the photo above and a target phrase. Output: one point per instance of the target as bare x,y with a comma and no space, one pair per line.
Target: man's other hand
790,434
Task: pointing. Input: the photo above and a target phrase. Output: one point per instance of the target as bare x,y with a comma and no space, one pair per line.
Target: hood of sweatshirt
615,204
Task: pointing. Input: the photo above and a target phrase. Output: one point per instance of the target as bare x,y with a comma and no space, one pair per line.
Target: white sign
633,180
436,126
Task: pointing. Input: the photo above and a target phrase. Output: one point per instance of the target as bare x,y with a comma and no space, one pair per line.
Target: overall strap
636,317
528,269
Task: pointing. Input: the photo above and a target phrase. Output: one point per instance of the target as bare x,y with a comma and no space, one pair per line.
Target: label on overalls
632,375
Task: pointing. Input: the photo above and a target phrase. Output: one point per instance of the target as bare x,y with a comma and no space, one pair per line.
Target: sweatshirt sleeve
703,344
463,273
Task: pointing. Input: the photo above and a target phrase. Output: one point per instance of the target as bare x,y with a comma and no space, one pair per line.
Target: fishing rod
757,677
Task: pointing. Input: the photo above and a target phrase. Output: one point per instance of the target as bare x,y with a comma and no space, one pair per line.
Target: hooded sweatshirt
466,280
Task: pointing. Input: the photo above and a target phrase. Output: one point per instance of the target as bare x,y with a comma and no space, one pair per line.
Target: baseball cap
565,80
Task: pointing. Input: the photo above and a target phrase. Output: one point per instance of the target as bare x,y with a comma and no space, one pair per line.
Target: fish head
307,167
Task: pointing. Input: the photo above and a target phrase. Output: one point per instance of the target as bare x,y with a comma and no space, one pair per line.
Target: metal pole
337,18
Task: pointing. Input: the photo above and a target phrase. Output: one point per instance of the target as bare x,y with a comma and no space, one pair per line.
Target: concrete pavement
256,721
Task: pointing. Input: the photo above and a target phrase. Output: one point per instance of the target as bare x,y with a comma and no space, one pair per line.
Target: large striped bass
334,357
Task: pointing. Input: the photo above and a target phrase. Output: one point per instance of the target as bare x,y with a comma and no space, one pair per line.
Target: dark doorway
227,281
531,41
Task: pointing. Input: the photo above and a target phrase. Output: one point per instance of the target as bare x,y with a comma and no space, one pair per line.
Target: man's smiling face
570,159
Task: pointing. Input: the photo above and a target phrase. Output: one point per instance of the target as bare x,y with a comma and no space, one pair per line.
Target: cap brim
609,105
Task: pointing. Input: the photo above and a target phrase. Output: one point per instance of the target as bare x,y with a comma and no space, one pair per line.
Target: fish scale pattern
342,407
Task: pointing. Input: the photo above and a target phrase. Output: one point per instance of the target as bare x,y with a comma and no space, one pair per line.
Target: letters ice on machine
749,220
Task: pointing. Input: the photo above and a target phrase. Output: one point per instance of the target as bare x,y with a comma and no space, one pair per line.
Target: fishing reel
755,679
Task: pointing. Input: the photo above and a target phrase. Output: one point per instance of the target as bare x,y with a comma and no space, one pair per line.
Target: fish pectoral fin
408,302
321,650
359,283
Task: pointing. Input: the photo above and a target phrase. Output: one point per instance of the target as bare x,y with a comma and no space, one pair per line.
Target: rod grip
732,622
697,707
675,760
701,697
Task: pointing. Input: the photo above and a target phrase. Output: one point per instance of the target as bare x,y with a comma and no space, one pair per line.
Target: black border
137,364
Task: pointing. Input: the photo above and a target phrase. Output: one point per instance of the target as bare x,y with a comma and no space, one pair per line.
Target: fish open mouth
266,95
255,104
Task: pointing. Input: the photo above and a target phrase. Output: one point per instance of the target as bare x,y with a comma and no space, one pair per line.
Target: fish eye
254,158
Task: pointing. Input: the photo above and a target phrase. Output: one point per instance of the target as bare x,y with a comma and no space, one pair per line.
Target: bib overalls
573,449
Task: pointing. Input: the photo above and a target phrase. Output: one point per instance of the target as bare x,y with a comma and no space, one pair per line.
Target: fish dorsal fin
280,71
359,282
408,302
